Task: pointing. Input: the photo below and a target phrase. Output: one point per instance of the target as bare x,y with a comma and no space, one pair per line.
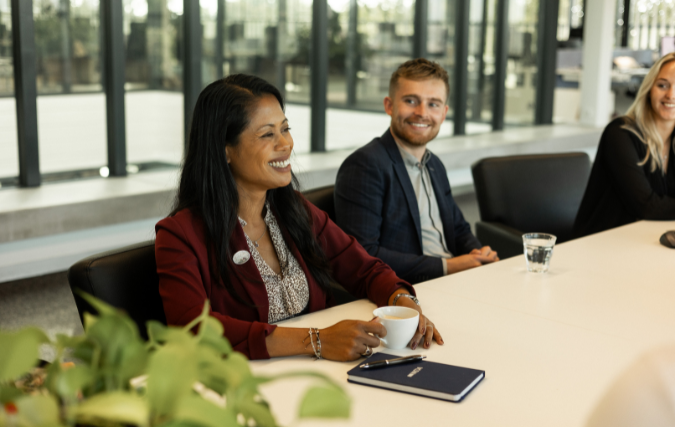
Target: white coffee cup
401,324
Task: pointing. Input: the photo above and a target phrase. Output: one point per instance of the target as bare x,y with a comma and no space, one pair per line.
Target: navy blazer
376,203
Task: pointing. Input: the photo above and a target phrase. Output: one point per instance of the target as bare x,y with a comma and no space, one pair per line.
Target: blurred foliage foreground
175,379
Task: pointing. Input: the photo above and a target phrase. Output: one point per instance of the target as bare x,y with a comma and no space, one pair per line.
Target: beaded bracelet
317,347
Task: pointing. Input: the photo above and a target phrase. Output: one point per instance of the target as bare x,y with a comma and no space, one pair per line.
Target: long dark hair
209,190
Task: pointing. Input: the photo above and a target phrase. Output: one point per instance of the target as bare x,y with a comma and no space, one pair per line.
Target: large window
521,70
153,70
70,105
649,20
367,40
9,157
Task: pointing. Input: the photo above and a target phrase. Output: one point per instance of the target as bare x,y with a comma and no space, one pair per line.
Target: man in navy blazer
393,195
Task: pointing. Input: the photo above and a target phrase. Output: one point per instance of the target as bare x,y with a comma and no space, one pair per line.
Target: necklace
255,242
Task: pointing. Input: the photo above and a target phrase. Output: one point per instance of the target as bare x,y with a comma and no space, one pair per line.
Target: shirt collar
411,160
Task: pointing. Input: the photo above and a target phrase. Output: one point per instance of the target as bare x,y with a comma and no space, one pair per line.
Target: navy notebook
437,380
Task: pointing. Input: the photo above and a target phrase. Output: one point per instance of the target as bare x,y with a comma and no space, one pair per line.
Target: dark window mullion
318,75
25,91
421,28
501,52
461,75
113,65
192,60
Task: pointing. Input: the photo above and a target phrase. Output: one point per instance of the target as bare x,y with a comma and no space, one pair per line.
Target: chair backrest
125,278
322,198
532,192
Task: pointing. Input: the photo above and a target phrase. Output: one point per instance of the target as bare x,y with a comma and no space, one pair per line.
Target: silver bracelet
317,348
412,297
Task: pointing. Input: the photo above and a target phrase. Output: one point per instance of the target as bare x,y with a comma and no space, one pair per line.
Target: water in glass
538,254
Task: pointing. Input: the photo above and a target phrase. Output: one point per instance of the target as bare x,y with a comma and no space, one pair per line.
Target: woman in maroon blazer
243,238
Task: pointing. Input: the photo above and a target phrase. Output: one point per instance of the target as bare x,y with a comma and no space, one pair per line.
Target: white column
596,76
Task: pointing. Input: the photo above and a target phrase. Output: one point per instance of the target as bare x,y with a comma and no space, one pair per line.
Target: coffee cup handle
384,340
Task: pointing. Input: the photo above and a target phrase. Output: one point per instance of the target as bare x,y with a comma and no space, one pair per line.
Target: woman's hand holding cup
351,339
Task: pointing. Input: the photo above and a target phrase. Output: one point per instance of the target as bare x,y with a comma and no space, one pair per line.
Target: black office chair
125,278
322,198
530,193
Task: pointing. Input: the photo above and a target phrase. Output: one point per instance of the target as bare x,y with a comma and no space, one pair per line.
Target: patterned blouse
288,292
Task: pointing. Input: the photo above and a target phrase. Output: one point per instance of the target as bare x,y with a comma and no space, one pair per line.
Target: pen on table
389,362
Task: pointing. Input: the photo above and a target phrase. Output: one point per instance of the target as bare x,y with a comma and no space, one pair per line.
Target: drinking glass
538,248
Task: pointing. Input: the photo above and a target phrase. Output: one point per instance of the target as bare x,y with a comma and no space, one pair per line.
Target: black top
619,191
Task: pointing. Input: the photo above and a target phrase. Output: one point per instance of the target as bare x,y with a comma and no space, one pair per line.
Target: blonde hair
639,118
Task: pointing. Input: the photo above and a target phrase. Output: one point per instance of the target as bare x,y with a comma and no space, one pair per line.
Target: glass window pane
481,64
154,98
67,40
71,126
9,155
209,18
387,29
521,69
270,39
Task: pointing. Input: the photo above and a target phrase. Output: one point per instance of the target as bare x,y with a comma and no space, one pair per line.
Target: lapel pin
241,257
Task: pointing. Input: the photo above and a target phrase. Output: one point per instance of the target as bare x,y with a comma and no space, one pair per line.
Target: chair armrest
507,241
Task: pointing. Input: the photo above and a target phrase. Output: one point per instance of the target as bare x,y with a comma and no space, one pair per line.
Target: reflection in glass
6,68
269,39
67,40
521,69
154,98
9,156
153,36
481,62
648,22
387,28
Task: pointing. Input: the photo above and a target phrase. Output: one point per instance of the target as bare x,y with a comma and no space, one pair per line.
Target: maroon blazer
185,282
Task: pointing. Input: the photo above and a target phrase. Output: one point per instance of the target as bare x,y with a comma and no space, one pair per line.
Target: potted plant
177,378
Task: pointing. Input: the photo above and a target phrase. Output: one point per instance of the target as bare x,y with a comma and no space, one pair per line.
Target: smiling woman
633,176
241,236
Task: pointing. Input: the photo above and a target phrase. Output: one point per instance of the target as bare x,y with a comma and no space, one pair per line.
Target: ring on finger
368,351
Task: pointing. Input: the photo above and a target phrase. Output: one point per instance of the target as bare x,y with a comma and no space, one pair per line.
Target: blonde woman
633,176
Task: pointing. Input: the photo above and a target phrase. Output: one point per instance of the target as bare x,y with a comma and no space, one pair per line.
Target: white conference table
550,344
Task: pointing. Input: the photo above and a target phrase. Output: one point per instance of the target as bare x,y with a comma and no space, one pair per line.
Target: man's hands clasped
475,258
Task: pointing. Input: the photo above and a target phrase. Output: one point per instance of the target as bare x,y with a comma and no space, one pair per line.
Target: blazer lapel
404,180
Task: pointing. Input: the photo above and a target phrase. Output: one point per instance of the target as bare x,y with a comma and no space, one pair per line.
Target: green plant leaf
325,401
73,380
133,361
259,411
67,341
113,334
9,393
89,320
235,369
101,307
85,351
160,334
211,335
37,411
115,406
194,409
156,330
19,352
171,373
204,314
210,369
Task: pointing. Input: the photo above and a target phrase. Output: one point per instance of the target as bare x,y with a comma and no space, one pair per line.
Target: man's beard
418,141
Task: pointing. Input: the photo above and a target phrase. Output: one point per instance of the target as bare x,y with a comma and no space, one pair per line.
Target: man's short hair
418,69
